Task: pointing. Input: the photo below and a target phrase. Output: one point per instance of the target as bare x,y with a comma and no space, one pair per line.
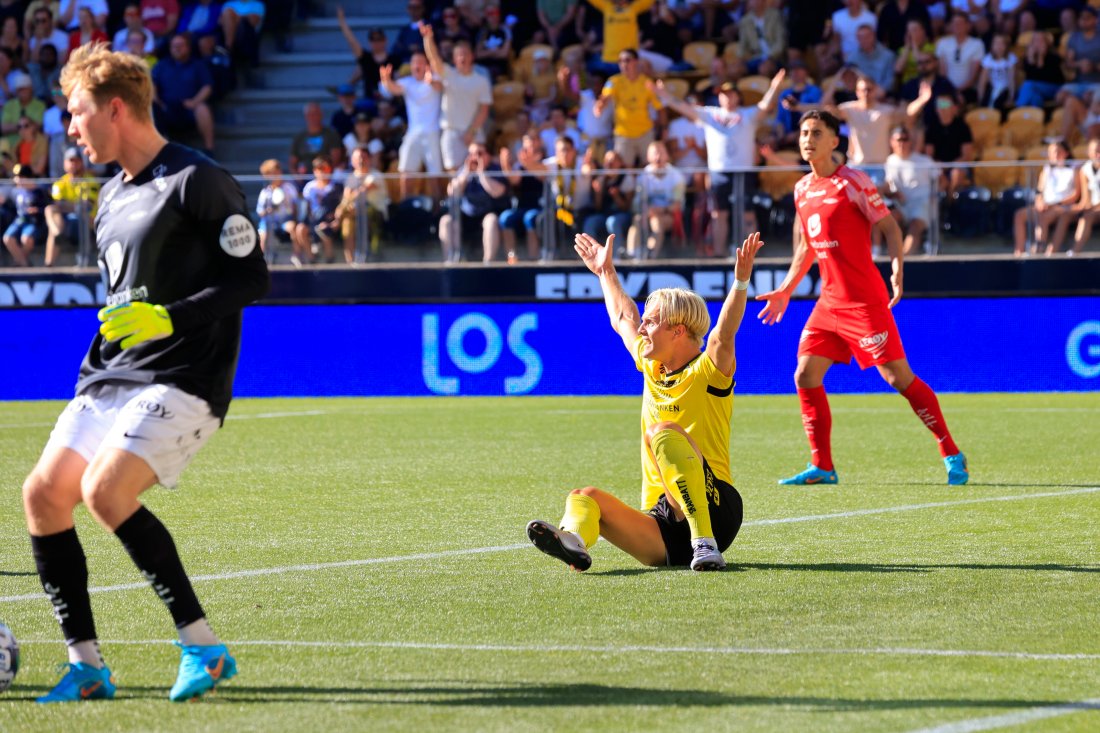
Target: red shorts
868,332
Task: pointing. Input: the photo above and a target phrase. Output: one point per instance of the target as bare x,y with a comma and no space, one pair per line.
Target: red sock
923,401
818,423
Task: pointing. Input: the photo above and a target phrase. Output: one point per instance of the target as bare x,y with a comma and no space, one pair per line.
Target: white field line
1008,719
256,416
312,567
621,649
912,507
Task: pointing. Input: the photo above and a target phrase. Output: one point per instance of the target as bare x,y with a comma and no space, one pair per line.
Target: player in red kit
838,207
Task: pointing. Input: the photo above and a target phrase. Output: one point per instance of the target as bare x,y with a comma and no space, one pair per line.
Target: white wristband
740,284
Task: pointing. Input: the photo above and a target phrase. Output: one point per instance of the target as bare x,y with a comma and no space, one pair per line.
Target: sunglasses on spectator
42,19
24,126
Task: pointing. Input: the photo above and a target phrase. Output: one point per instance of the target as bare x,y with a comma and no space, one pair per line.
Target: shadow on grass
557,695
16,573
980,485
845,567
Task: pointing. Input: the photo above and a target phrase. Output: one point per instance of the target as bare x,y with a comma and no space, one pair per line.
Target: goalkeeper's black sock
151,548
64,574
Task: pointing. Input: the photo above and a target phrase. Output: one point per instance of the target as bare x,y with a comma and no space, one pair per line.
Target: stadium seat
731,53
1054,127
998,178
985,126
970,212
1036,152
700,54
753,88
677,87
523,64
1023,128
779,183
572,52
1081,151
507,99
1022,42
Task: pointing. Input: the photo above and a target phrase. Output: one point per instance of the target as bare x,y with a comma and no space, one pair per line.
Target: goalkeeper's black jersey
178,235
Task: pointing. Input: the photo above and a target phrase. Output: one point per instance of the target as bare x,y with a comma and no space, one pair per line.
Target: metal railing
410,229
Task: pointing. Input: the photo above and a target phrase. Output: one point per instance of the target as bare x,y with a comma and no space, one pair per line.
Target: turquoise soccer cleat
201,668
82,682
812,475
957,473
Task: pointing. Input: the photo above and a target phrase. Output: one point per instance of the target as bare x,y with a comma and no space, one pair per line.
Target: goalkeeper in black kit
181,260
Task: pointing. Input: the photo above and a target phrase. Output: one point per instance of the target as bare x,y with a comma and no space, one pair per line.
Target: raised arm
913,109
767,102
435,60
779,298
353,42
385,76
621,309
720,343
670,100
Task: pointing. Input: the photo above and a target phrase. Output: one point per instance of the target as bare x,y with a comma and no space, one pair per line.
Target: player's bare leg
899,375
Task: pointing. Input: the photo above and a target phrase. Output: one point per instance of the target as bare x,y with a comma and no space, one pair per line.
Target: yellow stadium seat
1081,151
998,178
1023,128
753,88
700,54
677,87
985,126
507,98
779,183
521,67
1036,152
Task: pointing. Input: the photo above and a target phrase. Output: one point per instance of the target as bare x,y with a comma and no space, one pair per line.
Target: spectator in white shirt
420,146
131,17
659,191
43,31
467,97
68,13
960,57
909,183
846,23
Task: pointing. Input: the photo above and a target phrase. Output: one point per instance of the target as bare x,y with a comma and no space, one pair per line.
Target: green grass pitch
384,582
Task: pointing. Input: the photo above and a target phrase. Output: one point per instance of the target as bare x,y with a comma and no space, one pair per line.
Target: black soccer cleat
560,544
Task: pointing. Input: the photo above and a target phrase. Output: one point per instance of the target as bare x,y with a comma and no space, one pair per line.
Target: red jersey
836,215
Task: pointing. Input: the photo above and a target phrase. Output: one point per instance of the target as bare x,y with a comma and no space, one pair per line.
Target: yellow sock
582,515
682,471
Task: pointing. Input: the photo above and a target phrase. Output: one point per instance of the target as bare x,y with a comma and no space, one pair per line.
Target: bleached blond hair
681,307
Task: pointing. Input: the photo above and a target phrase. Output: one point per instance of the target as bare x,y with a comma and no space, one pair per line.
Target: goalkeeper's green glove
135,323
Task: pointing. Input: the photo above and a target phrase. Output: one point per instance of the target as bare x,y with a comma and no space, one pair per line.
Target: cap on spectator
376,34
541,53
900,131
20,170
362,117
344,90
727,87
375,146
72,152
23,81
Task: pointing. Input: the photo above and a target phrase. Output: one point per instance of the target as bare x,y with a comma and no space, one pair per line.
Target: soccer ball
9,657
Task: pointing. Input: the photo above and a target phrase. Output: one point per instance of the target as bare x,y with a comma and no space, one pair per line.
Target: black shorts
726,514
721,193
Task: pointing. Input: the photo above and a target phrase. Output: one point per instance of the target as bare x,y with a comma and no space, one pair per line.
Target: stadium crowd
527,116
196,52
468,102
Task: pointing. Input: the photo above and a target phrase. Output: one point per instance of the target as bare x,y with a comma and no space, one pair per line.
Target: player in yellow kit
690,510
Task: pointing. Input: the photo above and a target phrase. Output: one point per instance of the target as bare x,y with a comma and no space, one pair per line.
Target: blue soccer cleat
957,473
812,475
82,682
201,667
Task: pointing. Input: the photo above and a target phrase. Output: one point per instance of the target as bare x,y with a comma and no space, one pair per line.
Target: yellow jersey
620,26
632,102
68,189
697,397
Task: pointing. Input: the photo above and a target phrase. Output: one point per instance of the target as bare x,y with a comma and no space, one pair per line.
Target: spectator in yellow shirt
74,202
632,94
620,27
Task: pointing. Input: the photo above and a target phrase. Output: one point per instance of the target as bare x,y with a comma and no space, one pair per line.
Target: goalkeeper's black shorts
726,514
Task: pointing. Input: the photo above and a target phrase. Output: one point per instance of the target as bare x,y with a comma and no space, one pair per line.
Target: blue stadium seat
971,212
1008,201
